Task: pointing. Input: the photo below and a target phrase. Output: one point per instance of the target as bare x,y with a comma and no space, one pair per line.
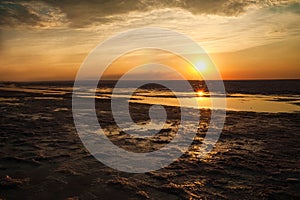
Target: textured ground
41,156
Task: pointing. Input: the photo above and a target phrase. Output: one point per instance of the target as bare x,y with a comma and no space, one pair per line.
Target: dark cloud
82,13
13,13
29,14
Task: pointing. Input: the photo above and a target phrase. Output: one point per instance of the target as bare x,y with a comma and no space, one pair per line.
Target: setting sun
201,65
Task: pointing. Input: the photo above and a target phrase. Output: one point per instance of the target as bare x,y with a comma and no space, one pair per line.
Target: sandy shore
42,157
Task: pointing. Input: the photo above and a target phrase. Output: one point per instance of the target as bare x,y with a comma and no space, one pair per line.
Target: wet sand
42,157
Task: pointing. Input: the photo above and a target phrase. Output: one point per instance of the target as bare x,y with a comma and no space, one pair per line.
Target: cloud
13,13
78,13
30,15
292,8
82,13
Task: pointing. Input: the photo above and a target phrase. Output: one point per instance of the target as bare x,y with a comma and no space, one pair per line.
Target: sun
201,65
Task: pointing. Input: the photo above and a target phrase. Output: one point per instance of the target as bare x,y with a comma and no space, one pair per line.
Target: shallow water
235,102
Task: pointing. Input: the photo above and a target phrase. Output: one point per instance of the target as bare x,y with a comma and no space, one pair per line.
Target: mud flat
42,157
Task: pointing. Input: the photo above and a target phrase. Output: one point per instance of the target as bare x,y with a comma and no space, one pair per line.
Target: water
252,96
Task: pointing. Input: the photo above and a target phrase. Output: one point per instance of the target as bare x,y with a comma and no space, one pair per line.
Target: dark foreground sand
42,157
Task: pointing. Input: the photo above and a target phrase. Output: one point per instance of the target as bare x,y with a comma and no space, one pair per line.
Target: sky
246,39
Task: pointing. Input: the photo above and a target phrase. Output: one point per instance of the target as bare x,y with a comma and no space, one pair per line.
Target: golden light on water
200,93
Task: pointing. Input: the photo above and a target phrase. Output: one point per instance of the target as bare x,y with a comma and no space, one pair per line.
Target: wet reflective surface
42,157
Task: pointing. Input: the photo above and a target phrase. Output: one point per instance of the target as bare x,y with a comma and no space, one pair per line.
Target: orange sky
50,40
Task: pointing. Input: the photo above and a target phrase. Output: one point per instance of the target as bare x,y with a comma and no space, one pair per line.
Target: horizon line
258,79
